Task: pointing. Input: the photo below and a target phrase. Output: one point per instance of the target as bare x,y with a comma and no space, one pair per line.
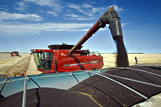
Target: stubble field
12,66
15,65
110,59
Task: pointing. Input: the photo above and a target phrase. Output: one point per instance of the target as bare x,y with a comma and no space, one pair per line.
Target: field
12,66
15,65
110,59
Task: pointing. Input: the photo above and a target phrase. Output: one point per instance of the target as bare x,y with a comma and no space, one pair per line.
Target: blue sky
32,24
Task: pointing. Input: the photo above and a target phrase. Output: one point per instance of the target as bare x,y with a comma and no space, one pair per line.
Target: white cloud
80,18
54,4
79,8
116,7
87,5
3,9
16,16
21,5
52,13
82,8
76,7
41,2
72,15
88,11
77,17
21,29
11,29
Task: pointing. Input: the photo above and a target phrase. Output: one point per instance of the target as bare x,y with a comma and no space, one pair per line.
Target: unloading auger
112,18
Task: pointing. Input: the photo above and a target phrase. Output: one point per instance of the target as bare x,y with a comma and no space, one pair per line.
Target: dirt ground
12,66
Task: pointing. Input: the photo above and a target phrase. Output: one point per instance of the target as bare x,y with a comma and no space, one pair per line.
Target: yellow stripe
90,98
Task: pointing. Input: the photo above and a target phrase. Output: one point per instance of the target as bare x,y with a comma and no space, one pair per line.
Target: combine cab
58,59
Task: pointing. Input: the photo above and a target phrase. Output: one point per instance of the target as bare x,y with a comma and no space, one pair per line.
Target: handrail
24,92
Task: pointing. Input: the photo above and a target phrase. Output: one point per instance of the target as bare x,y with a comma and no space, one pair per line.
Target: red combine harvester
14,53
58,59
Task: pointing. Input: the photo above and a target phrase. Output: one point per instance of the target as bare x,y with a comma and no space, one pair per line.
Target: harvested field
19,68
7,61
12,66
17,65
110,59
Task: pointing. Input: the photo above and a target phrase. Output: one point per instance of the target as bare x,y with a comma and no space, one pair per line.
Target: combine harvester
58,59
14,53
116,87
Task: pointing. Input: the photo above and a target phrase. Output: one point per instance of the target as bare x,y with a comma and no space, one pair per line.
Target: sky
35,24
